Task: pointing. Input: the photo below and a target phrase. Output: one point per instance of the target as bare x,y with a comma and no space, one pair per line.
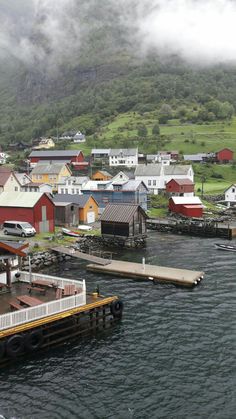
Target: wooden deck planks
81,255
183,277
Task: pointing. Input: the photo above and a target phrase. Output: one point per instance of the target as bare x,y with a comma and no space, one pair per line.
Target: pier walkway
81,255
153,273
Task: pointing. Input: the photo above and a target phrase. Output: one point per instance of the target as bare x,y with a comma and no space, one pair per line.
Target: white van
18,228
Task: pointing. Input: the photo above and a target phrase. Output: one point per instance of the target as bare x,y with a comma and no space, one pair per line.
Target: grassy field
187,138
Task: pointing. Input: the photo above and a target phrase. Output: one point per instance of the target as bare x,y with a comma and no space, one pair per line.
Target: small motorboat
227,247
84,227
70,232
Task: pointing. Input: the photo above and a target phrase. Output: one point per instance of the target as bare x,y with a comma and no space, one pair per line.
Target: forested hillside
104,77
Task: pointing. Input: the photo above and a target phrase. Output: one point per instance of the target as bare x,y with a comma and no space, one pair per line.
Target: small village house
123,220
230,195
224,156
44,143
66,213
50,173
100,154
155,176
75,158
72,184
101,175
117,191
123,157
8,180
35,208
188,206
180,187
87,206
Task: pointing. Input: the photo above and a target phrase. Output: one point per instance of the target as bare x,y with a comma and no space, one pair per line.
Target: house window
149,182
16,188
66,190
154,182
62,190
233,189
90,207
77,190
72,191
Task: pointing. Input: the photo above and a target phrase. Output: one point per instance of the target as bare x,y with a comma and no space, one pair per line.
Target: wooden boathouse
124,222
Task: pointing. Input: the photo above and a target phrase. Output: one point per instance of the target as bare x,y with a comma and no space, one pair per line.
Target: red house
180,187
73,157
36,208
224,156
188,206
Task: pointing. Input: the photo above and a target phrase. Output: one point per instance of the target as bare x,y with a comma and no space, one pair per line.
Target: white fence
59,282
47,309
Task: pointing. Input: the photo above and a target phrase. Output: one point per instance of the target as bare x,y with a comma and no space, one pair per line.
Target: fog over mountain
49,32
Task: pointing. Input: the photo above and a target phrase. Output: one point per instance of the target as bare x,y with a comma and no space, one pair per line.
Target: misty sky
197,30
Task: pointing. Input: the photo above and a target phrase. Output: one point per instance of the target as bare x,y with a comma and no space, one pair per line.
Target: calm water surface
172,355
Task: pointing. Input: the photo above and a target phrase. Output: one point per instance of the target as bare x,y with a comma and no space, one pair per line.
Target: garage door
90,217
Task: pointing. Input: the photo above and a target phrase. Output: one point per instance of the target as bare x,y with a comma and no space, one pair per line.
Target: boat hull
225,247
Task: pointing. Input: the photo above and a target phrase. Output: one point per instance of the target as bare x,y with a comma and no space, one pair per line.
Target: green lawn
188,138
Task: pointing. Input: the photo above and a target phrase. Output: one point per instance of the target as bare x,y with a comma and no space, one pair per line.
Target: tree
142,131
156,130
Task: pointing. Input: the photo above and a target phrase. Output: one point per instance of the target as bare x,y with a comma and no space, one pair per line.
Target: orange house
88,206
101,175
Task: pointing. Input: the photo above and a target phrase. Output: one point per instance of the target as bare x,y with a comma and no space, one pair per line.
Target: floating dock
183,277
70,251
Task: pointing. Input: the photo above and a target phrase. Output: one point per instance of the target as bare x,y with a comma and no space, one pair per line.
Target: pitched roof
4,176
186,200
120,213
148,170
55,153
50,168
19,199
182,181
80,200
100,151
176,169
123,152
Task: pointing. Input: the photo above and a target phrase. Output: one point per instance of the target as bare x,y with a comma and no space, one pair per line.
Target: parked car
18,228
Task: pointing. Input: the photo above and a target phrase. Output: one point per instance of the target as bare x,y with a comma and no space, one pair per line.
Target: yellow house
45,143
50,173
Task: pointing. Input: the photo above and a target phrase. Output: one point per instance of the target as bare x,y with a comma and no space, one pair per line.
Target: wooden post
8,273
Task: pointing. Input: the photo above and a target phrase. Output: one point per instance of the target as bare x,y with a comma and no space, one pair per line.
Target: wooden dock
86,256
153,273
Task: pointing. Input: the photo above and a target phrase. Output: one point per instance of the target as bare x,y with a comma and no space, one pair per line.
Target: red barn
224,156
36,208
188,206
180,187
73,157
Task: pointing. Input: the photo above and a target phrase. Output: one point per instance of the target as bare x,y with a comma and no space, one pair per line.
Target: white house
155,176
3,157
230,195
164,159
123,157
72,185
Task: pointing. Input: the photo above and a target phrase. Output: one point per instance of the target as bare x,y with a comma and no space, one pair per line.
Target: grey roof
19,199
195,157
133,185
176,169
80,200
55,153
123,152
148,170
53,168
104,172
100,151
76,180
120,213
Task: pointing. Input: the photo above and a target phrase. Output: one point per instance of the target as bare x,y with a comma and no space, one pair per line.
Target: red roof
182,181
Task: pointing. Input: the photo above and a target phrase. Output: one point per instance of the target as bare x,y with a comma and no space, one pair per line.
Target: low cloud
48,33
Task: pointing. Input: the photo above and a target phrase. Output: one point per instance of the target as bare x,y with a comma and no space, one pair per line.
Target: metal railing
46,309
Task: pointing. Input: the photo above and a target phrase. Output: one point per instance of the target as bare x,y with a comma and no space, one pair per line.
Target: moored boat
70,233
227,247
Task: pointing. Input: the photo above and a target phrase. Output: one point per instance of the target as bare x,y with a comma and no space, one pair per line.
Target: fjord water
172,355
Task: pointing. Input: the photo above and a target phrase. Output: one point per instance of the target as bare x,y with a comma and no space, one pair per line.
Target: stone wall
41,260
